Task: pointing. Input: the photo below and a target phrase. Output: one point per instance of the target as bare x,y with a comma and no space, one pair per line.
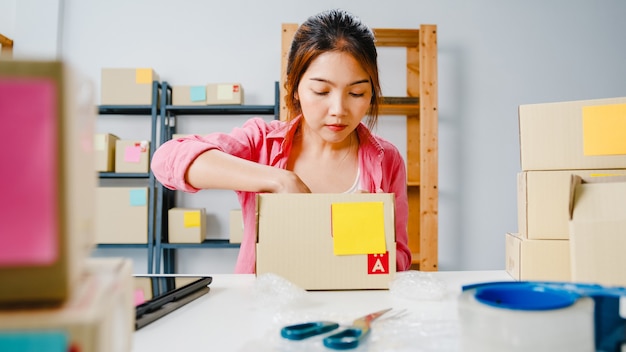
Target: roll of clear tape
551,323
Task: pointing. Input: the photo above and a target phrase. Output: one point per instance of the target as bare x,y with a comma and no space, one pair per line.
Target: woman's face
335,94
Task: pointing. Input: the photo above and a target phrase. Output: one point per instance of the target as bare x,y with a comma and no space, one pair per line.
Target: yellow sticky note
358,228
143,76
604,129
191,219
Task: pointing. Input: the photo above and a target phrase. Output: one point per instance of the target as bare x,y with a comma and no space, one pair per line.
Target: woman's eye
357,95
320,92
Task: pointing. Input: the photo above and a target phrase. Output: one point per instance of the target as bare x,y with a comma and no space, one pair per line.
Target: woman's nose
337,104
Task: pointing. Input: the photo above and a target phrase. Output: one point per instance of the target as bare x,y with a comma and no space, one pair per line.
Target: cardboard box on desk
598,230
98,317
300,234
585,134
543,201
104,150
547,260
186,225
132,156
127,86
46,220
122,215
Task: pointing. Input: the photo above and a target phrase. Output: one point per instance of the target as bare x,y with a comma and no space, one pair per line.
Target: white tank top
355,186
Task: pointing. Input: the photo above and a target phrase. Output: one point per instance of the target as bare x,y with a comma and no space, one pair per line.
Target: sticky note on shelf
132,154
143,76
197,93
225,92
191,218
604,129
29,228
137,197
358,228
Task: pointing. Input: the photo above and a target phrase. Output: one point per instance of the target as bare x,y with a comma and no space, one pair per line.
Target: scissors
343,340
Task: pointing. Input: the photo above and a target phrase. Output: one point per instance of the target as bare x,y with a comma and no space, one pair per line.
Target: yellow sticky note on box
191,218
143,76
358,228
604,129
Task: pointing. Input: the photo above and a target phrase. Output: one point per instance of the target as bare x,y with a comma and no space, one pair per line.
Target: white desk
237,315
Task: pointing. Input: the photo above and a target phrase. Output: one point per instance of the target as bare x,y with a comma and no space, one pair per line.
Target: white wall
493,56
34,27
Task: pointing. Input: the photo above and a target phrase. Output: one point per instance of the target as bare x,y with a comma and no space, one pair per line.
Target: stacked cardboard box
53,295
558,141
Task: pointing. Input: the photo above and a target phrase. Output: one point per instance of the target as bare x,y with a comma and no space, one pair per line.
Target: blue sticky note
198,93
34,341
137,197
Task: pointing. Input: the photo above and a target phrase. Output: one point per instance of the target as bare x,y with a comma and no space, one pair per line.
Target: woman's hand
290,182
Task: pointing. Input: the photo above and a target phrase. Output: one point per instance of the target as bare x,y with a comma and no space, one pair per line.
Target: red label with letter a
378,263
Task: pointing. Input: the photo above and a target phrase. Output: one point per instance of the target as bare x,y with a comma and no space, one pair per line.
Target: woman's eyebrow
331,83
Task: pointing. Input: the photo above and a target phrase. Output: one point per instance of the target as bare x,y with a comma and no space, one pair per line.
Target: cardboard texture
189,95
543,201
598,230
127,86
298,235
46,226
585,134
186,225
132,156
224,94
547,260
104,150
99,316
122,215
235,226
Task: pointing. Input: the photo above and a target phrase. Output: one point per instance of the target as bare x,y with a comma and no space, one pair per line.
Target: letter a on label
378,263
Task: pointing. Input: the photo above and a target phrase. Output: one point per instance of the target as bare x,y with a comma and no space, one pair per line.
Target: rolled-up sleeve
172,159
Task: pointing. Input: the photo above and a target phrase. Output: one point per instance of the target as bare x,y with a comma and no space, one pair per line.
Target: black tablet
158,295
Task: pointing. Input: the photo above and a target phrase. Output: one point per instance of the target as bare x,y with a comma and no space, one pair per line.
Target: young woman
323,147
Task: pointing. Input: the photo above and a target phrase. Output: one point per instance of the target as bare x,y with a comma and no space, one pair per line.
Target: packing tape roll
525,318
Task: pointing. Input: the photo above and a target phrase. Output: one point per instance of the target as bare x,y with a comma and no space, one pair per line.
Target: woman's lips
336,128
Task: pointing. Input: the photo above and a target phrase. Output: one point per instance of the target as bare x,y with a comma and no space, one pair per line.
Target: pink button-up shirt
269,143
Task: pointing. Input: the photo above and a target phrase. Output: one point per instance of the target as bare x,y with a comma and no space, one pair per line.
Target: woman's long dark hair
332,30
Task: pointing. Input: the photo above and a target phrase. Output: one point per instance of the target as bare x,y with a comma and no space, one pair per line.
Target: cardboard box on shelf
99,315
189,95
132,156
46,227
127,86
327,241
543,201
598,230
547,260
584,134
104,150
235,226
122,215
224,94
186,225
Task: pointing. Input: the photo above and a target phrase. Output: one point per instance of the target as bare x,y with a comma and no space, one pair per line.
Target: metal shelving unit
165,253
154,112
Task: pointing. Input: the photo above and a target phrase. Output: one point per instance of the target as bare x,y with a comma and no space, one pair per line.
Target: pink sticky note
29,214
132,154
139,297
